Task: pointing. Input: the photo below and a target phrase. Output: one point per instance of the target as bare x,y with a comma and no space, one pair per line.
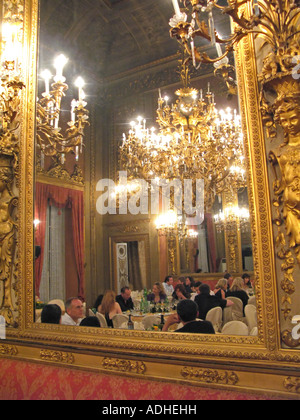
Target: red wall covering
33,381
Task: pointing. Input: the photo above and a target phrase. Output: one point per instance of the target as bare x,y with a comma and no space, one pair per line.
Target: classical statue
286,158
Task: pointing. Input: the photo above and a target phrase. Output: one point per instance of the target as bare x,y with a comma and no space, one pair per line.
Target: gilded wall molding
8,350
56,356
292,384
209,376
120,365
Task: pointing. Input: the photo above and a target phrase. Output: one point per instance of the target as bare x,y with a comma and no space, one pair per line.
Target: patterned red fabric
31,381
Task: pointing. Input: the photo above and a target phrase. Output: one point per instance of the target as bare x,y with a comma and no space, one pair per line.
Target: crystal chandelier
50,139
171,224
231,218
194,141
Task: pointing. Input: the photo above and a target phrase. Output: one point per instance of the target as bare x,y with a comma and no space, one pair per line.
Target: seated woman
97,304
157,295
180,292
221,289
109,307
237,289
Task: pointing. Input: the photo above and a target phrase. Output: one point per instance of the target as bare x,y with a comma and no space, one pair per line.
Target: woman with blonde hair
221,288
237,289
109,307
157,295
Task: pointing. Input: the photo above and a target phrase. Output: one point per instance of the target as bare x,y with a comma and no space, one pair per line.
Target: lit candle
59,64
219,49
176,8
73,106
80,83
46,75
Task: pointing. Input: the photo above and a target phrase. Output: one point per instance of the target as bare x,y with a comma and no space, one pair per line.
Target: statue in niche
8,202
287,159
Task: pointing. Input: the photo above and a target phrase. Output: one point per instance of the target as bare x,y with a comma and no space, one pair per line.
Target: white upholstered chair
91,313
252,300
150,320
102,320
119,319
254,331
215,316
235,328
237,309
251,316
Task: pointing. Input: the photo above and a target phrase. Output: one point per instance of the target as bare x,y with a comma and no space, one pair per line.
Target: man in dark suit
187,313
206,301
124,299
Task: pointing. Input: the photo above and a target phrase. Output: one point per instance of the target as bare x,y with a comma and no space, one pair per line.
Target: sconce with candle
50,139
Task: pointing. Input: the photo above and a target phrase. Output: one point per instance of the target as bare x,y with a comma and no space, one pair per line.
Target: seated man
51,314
124,299
74,312
206,301
168,285
187,312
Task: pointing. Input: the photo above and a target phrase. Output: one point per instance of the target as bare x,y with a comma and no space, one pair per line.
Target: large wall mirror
114,72
87,96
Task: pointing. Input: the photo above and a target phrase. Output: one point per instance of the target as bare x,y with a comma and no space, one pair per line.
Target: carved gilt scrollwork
57,356
10,105
124,365
280,107
210,376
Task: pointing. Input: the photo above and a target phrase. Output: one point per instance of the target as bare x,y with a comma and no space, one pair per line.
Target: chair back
119,319
91,313
150,320
237,309
251,316
215,316
227,315
102,320
252,300
254,331
235,328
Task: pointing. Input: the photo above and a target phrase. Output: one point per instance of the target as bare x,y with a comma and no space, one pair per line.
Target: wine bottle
162,322
130,323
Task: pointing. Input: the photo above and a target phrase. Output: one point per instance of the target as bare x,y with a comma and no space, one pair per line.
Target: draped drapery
134,269
53,281
61,198
212,251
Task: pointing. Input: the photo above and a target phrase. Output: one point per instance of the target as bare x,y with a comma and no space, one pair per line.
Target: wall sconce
50,139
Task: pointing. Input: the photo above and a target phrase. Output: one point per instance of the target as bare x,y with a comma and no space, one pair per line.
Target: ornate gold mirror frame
265,362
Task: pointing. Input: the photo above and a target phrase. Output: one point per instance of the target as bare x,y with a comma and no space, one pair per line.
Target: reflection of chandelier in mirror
170,224
195,141
50,140
231,218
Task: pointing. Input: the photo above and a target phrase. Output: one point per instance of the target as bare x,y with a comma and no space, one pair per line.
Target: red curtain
60,198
